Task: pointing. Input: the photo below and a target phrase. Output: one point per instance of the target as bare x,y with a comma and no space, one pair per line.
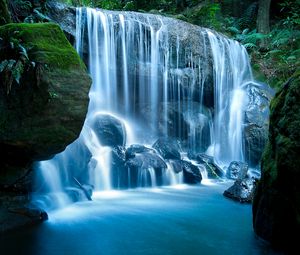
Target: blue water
168,221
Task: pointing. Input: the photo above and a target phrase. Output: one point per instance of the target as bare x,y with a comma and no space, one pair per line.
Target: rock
15,212
191,173
146,160
176,165
187,122
55,94
79,157
242,190
168,148
118,168
65,16
109,130
43,112
256,121
145,169
237,170
276,206
136,148
212,169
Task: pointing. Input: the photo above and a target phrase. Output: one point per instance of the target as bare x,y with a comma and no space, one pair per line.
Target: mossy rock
276,207
46,111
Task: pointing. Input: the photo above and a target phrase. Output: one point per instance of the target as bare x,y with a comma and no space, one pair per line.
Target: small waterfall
167,82
231,71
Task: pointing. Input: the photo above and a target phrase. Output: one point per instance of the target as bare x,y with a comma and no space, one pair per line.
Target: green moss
46,43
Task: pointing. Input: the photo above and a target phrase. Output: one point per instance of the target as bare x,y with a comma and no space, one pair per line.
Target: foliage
280,59
205,15
291,10
14,63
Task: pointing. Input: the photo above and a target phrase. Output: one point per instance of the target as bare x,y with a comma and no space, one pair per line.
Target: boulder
133,149
168,148
145,169
276,206
118,169
176,165
191,173
109,130
242,190
43,104
237,170
15,213
256,121
212,169
44,112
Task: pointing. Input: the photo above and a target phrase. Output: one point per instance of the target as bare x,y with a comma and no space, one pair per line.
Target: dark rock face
109,130
242,190
168,148
276,205
257,122
237,170
191,173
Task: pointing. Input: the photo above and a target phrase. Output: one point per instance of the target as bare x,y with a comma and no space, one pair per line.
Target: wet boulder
145,168
176,165
44,110
133,149
242,190
237,170
110,131
212,169
191,173
168,148
118,169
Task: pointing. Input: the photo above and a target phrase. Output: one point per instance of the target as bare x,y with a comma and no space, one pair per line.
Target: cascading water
148,70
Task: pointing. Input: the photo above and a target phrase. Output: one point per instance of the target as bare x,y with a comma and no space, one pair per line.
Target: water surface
176,221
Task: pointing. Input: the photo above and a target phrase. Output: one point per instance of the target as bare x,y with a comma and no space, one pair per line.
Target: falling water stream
160,81
159,77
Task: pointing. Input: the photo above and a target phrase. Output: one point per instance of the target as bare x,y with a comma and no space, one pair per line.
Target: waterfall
162,81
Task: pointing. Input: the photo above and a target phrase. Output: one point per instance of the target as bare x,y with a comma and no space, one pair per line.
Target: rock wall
276,206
